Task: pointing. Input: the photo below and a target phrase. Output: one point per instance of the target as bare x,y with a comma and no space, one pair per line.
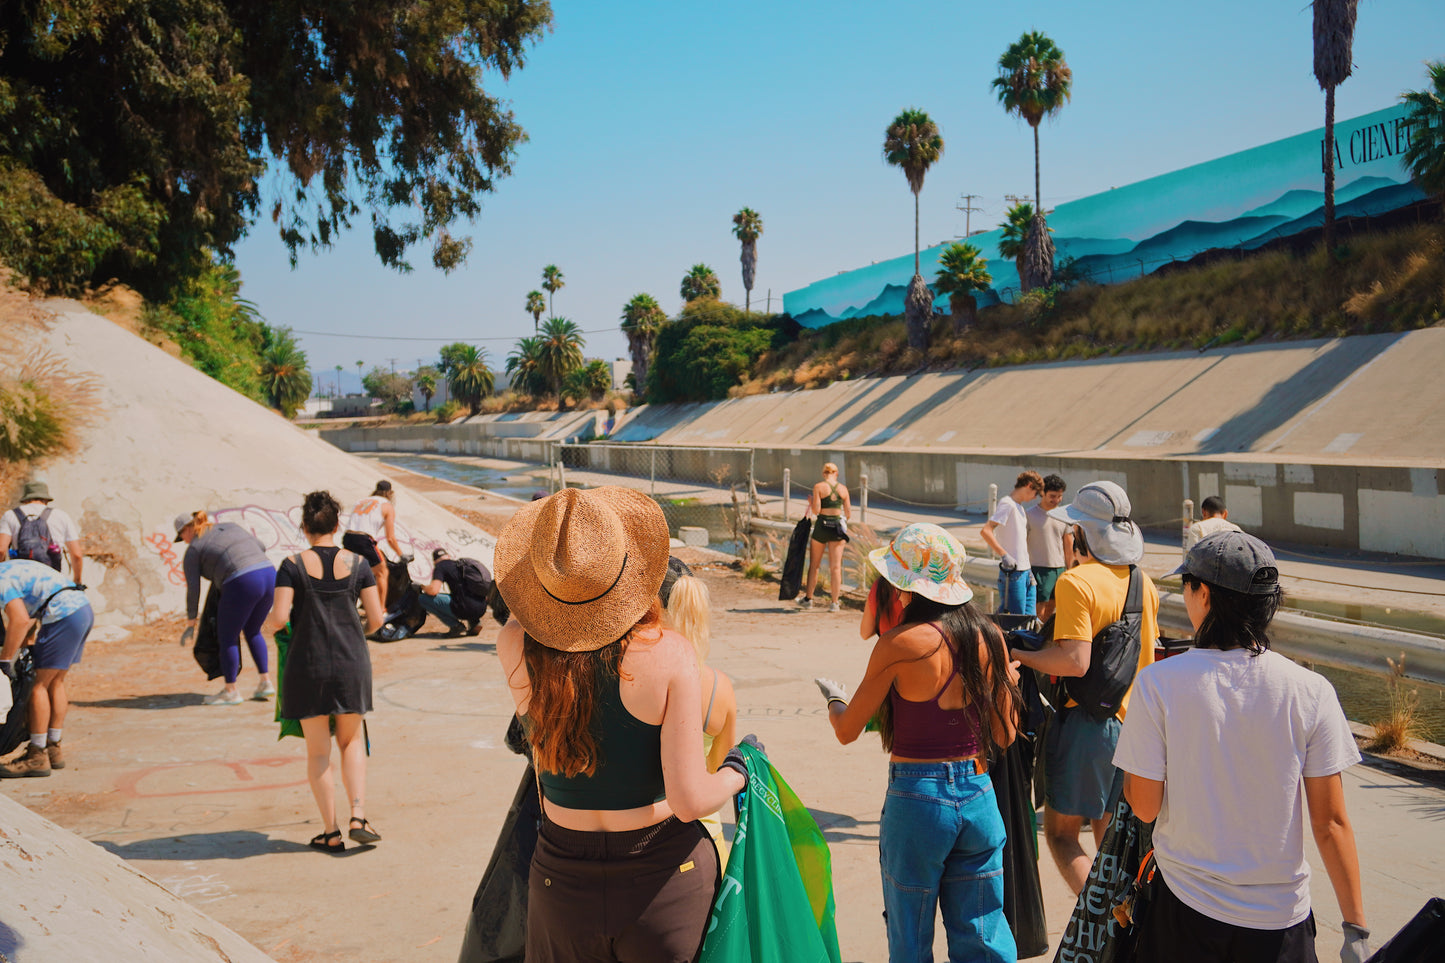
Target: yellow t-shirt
1091,596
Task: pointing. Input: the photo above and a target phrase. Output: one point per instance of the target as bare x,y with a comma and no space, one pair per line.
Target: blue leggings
245,603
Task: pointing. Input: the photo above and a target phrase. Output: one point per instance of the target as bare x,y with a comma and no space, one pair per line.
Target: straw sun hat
580,568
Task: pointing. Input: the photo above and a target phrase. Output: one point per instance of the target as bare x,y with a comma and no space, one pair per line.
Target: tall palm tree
642,319
358,375
1334,40
748,227
1033,81
524,365
561,353
962,270
1038,255
912,142
700,282
284,374
338,381
1425,157
1015,232
470,379
552,283
536,304
426,383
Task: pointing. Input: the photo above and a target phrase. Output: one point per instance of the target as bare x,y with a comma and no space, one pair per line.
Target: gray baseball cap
1232,560
182,520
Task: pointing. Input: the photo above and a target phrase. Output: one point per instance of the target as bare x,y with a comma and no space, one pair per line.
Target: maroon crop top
925,730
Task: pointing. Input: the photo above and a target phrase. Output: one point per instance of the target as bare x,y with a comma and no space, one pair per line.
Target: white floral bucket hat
926,560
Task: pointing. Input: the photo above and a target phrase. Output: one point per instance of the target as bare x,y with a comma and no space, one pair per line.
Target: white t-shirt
1232,737
1207,526
63,529
1013,530
367,517
1046,538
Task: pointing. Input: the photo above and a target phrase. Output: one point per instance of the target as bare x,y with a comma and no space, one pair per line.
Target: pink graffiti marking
130,784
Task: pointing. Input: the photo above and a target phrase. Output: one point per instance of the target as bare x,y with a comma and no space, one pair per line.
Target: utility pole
1013,199
967,208
393,364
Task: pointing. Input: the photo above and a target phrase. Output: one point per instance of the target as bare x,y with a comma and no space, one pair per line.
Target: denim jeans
1017,592
440,605
941,848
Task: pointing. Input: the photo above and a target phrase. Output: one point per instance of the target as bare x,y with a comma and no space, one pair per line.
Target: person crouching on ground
831,508
1226,748
456,605
954,699
613,712
235,562
374,517
31,591
327,680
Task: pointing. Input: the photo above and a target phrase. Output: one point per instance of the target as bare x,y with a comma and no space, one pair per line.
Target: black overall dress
328,669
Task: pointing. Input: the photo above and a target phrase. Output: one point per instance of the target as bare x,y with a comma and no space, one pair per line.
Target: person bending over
374,517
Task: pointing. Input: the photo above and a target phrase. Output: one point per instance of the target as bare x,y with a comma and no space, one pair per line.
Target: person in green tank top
830,505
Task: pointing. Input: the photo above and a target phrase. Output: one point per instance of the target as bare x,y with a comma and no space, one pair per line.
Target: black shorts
829,528
1174,933
363,545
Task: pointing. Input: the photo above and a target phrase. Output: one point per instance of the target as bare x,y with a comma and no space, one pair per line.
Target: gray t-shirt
1046,538
224,552
1233,736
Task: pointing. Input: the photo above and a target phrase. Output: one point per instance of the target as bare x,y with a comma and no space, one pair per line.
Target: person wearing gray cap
55,529
1226,748
1079,749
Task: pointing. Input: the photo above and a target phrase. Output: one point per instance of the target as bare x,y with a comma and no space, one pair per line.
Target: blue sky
652,123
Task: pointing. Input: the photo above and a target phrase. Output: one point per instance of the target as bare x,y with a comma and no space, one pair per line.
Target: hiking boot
456,632
57,758
264,691
35,762
474,627
223,698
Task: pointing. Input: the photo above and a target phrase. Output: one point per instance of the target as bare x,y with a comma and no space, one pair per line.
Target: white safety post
787,490
652,474
992,500
561,470
863,499
1188,520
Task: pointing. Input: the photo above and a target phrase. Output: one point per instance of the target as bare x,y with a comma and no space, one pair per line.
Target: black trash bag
1023,895
792,581
497,926
16,729
1420,940
207,648
404,614
1094,934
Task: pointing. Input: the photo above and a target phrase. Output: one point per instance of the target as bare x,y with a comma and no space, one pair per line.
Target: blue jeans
941,848
440,605
1016,592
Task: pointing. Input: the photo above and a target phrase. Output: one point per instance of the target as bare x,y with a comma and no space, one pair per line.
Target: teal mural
1237,202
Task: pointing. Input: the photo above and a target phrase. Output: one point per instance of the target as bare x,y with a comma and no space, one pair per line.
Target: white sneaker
835,607
264,691
805,602
223,698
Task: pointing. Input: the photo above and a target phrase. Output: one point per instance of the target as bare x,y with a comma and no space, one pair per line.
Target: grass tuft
1402,725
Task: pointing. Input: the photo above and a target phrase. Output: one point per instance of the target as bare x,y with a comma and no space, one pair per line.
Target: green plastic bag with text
775,904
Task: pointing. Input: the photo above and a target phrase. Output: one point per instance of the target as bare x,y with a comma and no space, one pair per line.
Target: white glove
1357,944
1008,564
832,691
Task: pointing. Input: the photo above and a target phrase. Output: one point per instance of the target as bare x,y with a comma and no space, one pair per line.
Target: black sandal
363,833
323,842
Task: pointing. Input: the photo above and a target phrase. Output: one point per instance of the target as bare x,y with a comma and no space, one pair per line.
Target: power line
967,208
389,337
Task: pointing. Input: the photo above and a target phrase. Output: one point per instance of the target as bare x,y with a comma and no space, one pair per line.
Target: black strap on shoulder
20,515
45,516
39,613
1134,600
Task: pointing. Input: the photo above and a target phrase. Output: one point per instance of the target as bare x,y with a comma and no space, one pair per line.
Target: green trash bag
775,904
289,727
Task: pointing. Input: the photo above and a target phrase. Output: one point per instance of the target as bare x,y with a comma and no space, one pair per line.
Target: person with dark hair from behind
1051,544
374,517
954,700
1214,518
1231,749
459,603
610,699
327,682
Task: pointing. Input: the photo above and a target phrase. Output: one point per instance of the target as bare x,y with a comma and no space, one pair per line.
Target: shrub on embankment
1386,281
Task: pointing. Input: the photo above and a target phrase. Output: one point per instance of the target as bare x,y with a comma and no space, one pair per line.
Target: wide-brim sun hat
1102,510
925,560
580,568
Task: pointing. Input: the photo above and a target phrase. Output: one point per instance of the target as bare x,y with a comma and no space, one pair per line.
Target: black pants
642,896
1175,933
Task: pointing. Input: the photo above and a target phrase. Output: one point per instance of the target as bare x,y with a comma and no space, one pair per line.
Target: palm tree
1015,232
470,378
1033,81
426,383
284,374
1425,157
561,353
700,282
642,319
913,143
338,381
536,304
1334,39
524,366
358,374
962,270
748,227
552,283
1038,255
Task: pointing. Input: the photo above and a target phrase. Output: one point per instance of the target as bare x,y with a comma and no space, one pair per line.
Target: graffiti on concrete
169,559
178,778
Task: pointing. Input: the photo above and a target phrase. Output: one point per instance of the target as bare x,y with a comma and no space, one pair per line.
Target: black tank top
629,768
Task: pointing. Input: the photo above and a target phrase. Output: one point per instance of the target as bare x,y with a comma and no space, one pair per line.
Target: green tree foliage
700,282
450,356
1015,233
709,347
147,128
218,331
536,305
524,367
1033,81
913,144
470,379
642,319
747,228
392,389
561,353
962,270
284,376
552,282
592,380
1425,157
426,380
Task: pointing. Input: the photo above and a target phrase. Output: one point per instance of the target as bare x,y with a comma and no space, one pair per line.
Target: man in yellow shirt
1079,750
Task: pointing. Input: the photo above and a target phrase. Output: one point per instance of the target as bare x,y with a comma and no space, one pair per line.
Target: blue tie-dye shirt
34,582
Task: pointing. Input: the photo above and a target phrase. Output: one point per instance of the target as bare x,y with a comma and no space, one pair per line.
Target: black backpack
1114,658
476,586
33,541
